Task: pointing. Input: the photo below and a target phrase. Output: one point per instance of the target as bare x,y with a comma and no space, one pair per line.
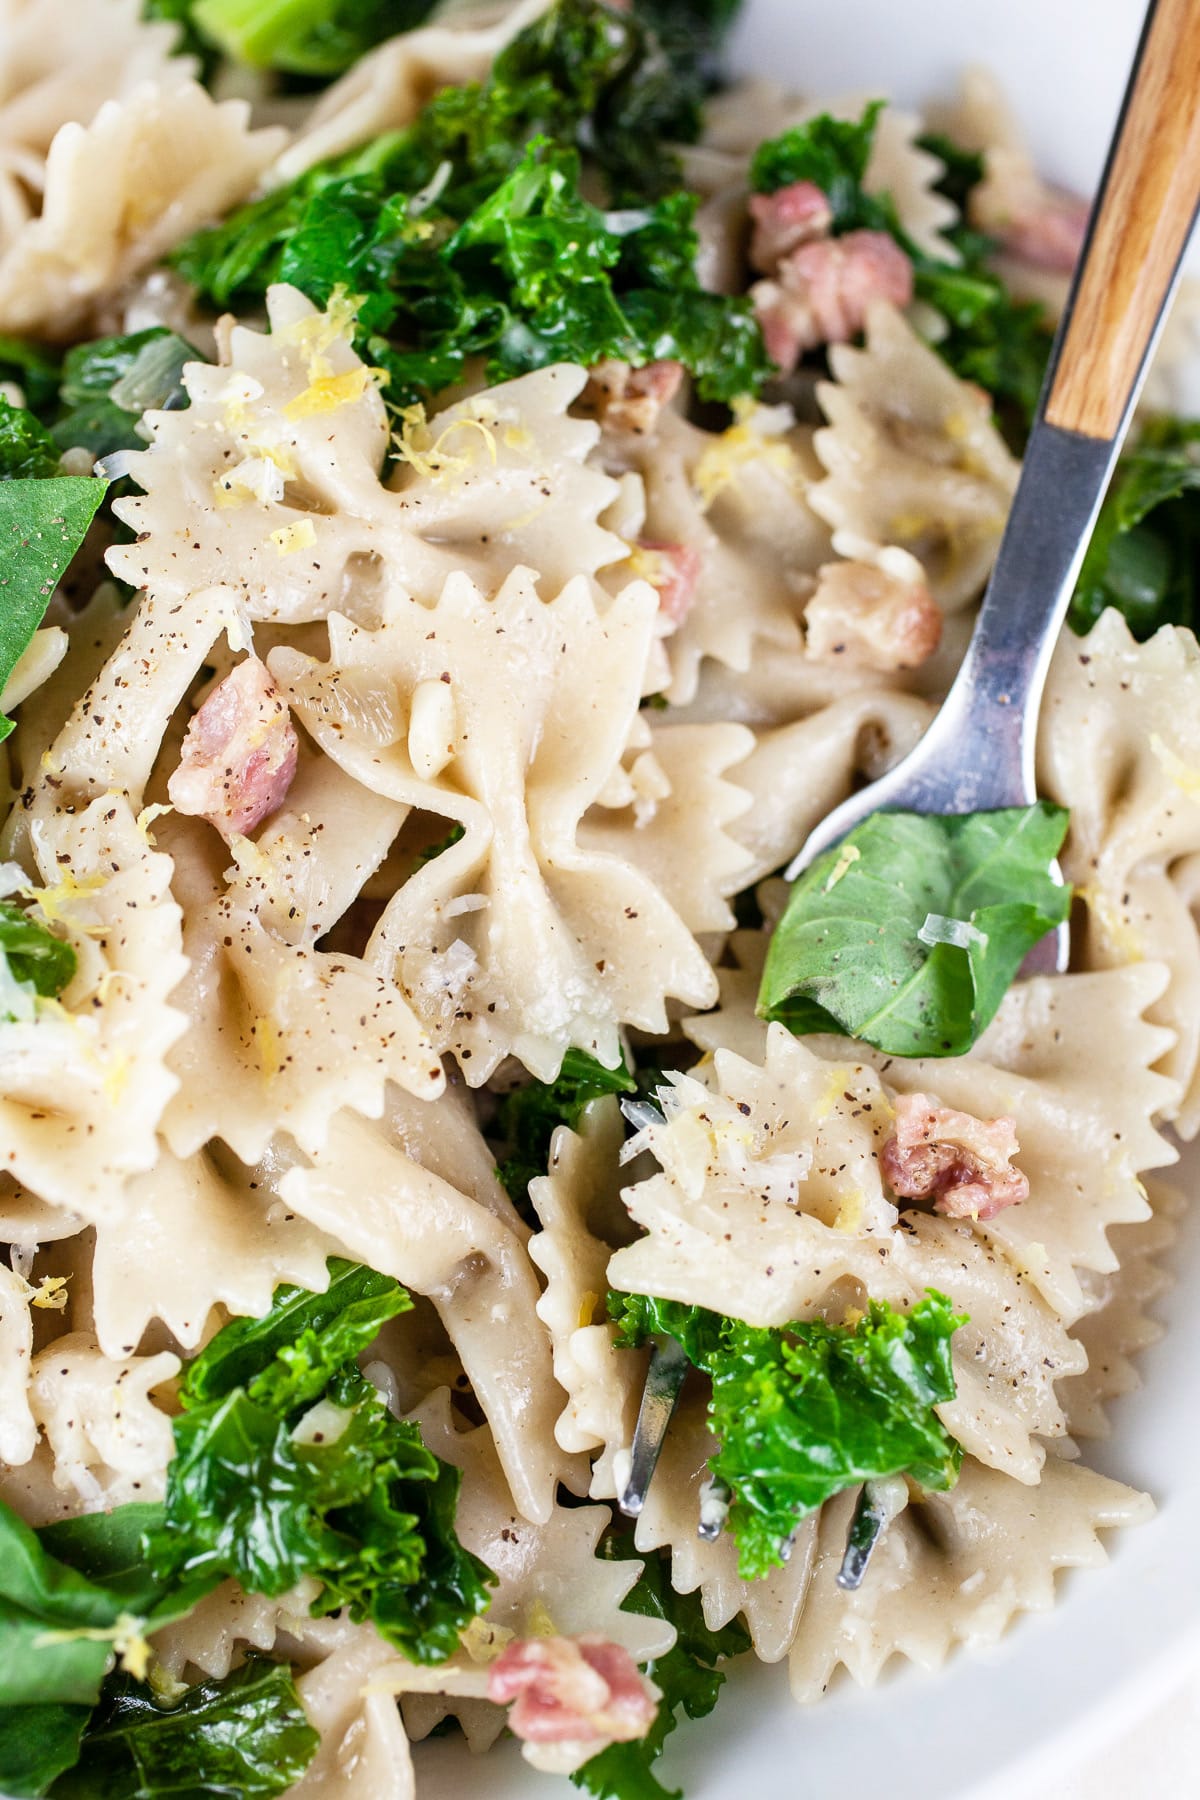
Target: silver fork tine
668,1366
866,1528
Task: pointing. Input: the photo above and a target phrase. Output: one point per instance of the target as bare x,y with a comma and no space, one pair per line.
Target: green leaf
831,153
108,383
34,368
1145,549
57,1586
287,1358
38,962
288,1463
303,37
42,524
246,1737
26,447
908,934
690,1677
803,1411
37,1742
528,1117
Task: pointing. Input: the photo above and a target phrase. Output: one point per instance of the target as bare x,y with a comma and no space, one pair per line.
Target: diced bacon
1051,236
239,755
629,399
793,215
1034,222
674,570
825,290
566,1690
870,618
962,1163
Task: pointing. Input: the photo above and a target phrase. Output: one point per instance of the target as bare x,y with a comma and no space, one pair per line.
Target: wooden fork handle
1139,229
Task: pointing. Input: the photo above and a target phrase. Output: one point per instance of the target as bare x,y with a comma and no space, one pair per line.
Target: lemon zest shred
415,446
849,855
266,1042
300,535
484,1641
723,462
1182,774
538,1622
51,1295
587,1309
328,392
67,890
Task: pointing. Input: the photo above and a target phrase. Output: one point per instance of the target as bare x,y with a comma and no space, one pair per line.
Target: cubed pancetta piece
792,215
577,1694
674,570
824,290
629,399
961,1163
1038,224
239,754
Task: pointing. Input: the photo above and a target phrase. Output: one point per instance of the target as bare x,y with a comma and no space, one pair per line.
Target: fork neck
989,719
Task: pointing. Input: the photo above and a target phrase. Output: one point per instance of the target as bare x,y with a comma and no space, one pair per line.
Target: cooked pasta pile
407,772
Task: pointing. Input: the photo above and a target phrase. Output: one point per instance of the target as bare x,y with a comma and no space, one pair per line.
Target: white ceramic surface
986,1725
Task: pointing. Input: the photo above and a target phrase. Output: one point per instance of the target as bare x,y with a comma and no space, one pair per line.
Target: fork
978,754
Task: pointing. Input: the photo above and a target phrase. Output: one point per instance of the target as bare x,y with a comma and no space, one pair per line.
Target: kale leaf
990,338
690,1677
318,38
528,1117
27,451
43,521
38,962
108,383
37,1743
1144,553
808,1409
468,234
288,1463
33,368
247,1737
833,154
908,933
531,273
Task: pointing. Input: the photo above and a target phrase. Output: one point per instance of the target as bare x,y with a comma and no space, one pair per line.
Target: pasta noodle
396,800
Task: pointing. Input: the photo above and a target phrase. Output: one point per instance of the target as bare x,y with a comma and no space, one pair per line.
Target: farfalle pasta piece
912,459
735,501
119,192
507,714
550,1579
270,480
18,1427
770,1605
85,1080
578,1205
1118,1323
1119,745
953,1568
388,1211
109,1442
770,1197
209,1233
282,1036
210,1638
364,1753
675,825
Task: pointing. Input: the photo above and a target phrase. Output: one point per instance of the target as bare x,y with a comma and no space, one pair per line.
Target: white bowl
1061,1682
